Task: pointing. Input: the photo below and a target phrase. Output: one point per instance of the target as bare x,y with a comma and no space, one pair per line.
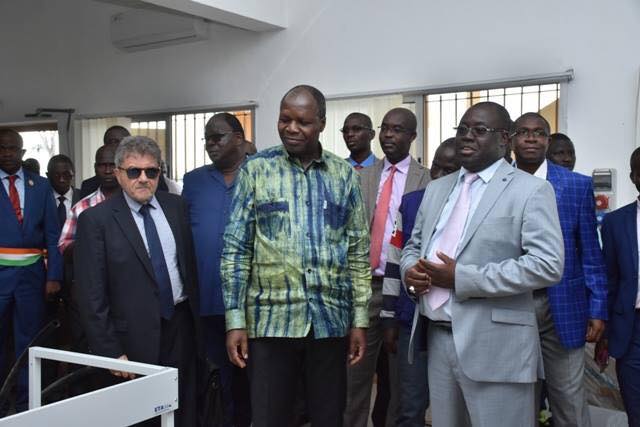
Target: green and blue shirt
296,248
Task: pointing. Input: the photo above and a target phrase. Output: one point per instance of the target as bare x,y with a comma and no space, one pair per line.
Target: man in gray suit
383,185
484,239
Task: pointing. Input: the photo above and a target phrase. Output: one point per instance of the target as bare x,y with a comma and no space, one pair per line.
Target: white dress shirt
19,185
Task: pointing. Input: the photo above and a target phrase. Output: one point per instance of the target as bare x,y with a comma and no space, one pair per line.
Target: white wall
57,54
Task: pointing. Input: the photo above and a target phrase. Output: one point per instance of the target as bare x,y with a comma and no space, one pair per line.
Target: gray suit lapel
498,183
372,188
414,176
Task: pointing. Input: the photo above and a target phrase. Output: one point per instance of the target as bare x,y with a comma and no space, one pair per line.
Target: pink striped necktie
450,238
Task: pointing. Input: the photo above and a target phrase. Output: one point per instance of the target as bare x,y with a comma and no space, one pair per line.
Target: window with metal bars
181,137
443,111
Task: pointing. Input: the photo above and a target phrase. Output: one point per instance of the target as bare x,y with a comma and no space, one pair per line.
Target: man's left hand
51,288
595,328
442,275
357,345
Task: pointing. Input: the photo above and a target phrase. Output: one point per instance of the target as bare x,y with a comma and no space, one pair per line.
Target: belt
19,257
538,293
443,324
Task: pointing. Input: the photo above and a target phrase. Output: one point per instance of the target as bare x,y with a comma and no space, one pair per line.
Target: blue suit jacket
39,230
620,248
409,206
582,293
209,199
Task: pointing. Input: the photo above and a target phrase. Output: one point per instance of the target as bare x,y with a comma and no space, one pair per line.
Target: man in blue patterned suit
575,309
28,227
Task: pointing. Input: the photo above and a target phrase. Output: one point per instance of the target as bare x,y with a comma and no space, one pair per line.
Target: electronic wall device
604,189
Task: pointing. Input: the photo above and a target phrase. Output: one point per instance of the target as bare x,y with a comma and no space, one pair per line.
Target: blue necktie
159,264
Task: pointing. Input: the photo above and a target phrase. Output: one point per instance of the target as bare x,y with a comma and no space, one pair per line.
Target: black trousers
178,350
275,367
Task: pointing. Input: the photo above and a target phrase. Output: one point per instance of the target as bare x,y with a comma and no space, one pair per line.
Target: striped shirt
68,233
296,248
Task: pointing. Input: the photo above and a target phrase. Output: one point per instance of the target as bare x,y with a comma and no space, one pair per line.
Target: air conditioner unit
140,29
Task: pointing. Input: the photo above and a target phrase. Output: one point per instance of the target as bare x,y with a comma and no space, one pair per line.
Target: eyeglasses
134,173
393,129
354,129
64,175
215,137
476,130
536,133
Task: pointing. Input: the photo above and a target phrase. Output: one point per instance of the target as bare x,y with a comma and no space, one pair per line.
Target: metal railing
153,394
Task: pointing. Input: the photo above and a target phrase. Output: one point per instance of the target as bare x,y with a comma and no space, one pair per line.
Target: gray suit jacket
417,179
513,245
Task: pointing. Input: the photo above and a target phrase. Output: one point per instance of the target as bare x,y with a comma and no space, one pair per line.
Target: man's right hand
238,347
122,374
417,277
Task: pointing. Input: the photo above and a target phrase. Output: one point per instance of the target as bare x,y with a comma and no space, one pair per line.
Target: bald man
383,186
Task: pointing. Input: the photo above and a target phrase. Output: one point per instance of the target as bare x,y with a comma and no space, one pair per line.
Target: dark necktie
159,264
62,211
14,197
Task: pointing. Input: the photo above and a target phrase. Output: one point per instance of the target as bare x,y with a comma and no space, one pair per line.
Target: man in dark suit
113,135
136,279
574,310
383,185
620,246
60,172
28,227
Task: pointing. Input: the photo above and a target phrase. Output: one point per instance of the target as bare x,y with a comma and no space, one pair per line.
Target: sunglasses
134,173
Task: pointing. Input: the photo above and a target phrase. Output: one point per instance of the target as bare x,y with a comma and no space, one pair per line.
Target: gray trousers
564,372
360,376
457,401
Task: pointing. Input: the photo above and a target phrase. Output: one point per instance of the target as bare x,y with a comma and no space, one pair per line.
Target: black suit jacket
115,288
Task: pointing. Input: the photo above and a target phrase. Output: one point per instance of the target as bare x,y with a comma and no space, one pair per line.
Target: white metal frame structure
153,394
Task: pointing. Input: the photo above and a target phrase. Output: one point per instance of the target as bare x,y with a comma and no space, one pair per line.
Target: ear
323,123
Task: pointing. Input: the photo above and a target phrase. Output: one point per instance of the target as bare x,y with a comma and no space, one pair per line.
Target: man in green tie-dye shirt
295,269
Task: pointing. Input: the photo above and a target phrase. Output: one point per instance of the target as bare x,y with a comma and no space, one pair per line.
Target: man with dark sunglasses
208,192
136,284
358,133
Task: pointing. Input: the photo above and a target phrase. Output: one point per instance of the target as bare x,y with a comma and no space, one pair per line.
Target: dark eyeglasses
476,130
536,133
134,173
354,129
215,137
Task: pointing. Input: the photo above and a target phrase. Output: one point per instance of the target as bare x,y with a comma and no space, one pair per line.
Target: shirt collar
402,166
321,160
68,195
365,163
19,174
486,174
135,206
542,170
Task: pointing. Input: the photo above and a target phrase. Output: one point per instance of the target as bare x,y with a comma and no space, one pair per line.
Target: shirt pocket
335,216
272,219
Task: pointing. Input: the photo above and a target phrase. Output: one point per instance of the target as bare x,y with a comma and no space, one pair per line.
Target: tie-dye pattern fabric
296,248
